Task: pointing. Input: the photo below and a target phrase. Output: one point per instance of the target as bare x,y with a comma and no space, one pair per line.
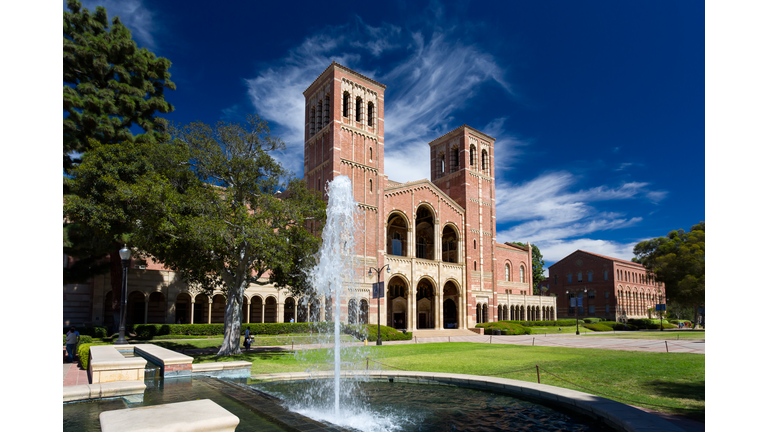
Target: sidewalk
73,373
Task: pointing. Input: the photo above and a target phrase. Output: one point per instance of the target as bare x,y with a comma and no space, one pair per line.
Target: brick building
610,288
438,236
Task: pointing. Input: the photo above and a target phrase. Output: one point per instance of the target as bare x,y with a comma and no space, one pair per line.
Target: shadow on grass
691,390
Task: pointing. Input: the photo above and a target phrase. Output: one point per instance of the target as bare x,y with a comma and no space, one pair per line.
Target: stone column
439,324
192,312
146,309
248,312
263,304
210,309
438,236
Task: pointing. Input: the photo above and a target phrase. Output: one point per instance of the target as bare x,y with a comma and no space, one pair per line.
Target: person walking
247,340
73,338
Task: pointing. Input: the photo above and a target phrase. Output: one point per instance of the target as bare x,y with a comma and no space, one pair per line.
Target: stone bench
230,369
108,365
172,363
200,416
104,390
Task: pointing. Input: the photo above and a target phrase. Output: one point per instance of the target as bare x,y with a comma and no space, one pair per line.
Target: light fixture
125,253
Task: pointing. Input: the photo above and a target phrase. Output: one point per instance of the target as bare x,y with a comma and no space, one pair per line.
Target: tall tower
462,167
344,135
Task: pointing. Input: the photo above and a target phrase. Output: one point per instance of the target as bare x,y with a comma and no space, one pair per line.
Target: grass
669,382
559,330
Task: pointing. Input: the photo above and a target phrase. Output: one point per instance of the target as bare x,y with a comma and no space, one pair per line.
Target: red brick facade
616,289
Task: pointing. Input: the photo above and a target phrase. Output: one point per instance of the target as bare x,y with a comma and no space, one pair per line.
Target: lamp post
378,297
661,320
577,309
125,257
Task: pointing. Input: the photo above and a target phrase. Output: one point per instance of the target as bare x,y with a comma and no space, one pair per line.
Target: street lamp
577,309
661,320
378,296
125,257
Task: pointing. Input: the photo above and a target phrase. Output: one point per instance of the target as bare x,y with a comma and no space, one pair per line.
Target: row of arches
508,273
635,277
633,302
364,113
516,313
429,244
319,114
433,308
153,308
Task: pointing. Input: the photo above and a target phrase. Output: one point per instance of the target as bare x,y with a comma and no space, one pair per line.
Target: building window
421,248
319,116
522,274
312,122
345,104
605,274
475,243
506,272
607,294
475,265
370,113
397,245
570,278
370,185
358,109
555,279
472,151
326,112
578,277
591,309
484,162
607,309
454,159
442,163
370,154
589,276
591,294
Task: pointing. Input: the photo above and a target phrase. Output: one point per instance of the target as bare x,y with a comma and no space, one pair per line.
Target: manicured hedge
84,351
506,327
559,323
592,320
645,323
95,332
387,333
598,327
618,326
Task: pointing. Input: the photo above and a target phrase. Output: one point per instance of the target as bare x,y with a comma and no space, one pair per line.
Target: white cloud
436,76
133,14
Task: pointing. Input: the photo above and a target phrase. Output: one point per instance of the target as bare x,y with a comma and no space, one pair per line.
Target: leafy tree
110,84
216,211
537,260
677,260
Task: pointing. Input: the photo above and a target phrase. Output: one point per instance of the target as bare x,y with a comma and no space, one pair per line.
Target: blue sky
597,107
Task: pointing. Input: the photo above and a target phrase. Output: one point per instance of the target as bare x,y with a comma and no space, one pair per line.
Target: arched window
522,274
589,276
570,278
370,154
358,109
319,116
472,156
345,104
485,162
442,163
312,122
506,272
578,277
421,248
475,265
605,274
370,113
454,159
370,185
326,111
474,242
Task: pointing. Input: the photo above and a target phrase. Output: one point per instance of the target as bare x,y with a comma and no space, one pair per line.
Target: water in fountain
333,278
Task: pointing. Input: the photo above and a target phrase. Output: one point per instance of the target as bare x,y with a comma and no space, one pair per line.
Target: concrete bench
230,369
200,416
104,390
172,363
108,365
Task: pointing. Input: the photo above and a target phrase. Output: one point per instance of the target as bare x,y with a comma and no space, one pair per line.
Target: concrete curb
103,390
620,416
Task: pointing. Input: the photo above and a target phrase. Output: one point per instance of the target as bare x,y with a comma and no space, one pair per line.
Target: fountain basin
616,415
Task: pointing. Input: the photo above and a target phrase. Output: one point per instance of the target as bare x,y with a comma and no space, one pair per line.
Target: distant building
616,290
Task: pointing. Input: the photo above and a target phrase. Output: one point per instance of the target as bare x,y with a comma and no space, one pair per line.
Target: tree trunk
232,321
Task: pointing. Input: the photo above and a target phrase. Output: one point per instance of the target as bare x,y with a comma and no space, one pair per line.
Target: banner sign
378,290
580,302
573,302
661,307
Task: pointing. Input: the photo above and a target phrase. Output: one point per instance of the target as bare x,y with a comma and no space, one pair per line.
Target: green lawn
673,380
559,330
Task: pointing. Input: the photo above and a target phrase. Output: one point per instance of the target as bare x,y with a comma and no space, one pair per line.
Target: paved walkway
73,373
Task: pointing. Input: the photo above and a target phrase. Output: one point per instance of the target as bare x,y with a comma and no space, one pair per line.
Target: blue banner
378,290
580,302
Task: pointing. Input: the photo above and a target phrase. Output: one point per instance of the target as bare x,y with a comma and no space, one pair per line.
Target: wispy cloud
554,217
133,14
436,75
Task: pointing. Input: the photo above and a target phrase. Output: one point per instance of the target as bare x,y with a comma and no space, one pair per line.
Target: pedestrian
73,338
291,319
247,341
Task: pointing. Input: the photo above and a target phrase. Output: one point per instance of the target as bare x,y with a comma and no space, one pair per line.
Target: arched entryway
425,233
156,308
450,243
352,311
425,305
397,235
218,309
183,308
451,302
397,303
363,312
270,310
135,313
289,310
202,307
257,309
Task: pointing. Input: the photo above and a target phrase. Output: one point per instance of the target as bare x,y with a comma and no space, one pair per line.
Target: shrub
646,323
618,326
598,327
558,323
506,327
96,332
592,320
387,333
84,352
